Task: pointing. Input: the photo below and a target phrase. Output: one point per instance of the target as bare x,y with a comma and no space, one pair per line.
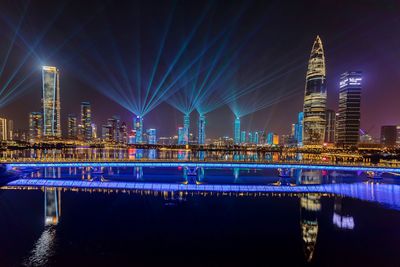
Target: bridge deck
205,164
387,194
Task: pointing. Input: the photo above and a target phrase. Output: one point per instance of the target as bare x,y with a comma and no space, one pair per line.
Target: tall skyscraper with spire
315,97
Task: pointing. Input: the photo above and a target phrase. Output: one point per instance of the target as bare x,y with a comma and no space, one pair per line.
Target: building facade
348,125
330,126
51,102
389,135
202,130
72,127
35,126
315,97
86,121
236,132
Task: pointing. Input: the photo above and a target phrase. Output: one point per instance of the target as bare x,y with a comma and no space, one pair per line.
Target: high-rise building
152,136
123,133
51,102
72,126
86,121
243,137
114,123
389,135
272,139
186,127
3,129
330,126
10,130
348,131
315,97
202,130
94,131
398,135
138,127
107,133
181,135
35,126
236,132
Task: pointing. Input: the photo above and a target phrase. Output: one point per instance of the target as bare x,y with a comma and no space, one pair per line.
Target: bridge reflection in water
386,194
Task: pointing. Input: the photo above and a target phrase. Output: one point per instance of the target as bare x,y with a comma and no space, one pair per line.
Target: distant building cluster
316,126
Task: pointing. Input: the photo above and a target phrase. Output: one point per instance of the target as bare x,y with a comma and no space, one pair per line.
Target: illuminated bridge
386,194
205,164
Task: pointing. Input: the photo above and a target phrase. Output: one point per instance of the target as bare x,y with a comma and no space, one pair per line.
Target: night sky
97,44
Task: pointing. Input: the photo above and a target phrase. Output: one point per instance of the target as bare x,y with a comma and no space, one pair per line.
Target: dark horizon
357,36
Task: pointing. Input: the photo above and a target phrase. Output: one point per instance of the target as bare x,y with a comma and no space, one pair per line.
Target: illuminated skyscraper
138,127
114,123
299,134
202,130
94,131
243,137
349,109
51,102
186,127
72,126
123,133
35,126
181,135
152,136
86,121
10,129
3,129
330,126
315,97
236,132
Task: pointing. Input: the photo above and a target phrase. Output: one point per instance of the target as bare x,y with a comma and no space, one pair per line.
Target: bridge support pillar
374,175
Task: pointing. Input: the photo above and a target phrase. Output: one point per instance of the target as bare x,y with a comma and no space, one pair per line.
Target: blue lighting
206,165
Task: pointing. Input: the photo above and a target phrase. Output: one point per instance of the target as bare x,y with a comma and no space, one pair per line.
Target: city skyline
340,58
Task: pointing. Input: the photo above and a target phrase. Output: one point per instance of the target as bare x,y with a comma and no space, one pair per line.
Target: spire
316,63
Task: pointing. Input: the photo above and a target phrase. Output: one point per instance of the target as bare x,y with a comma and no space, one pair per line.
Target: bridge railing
125,160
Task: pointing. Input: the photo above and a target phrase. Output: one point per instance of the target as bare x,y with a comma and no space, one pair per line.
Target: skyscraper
123,133
330,126
299,129
138,127
243,137
181,135
152,136
202,130
186,127
349,109
35,126
315,97
114,123
51,102
389,135
236,137
72,126
3,129
86,121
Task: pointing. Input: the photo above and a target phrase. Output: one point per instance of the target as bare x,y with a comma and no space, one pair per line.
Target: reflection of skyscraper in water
310,205
341,219
43,249
138,173
52,206
308,177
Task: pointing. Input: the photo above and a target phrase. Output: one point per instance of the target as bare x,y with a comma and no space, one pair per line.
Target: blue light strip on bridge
204,165
386,194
